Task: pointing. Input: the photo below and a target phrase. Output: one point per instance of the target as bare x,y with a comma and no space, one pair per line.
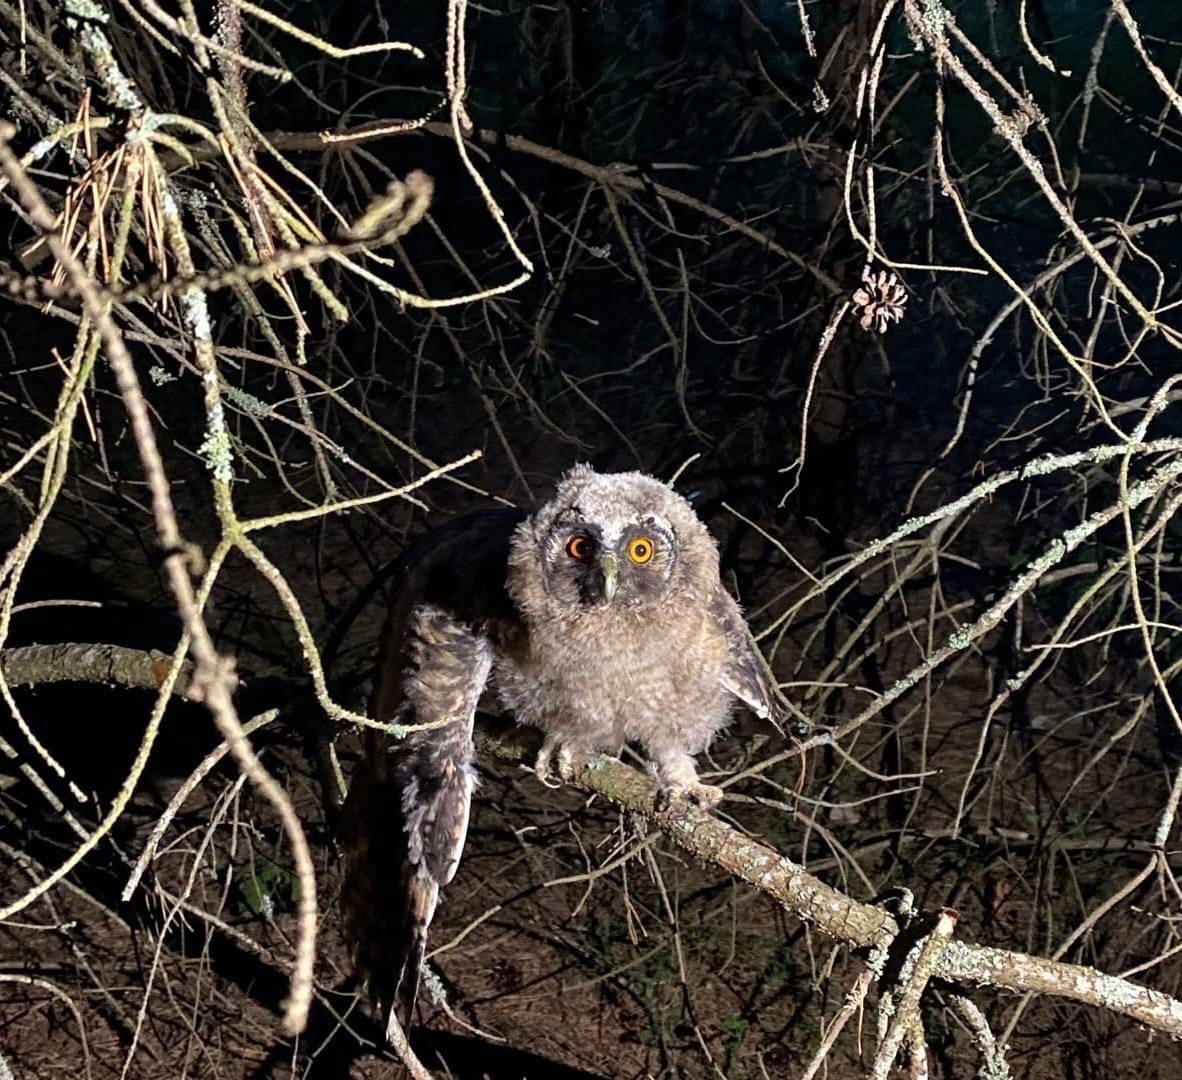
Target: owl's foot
703,796
555,757
677,780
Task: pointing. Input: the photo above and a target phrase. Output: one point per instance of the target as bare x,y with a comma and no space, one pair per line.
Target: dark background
676,174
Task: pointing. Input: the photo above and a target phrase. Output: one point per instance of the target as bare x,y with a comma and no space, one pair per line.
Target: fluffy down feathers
600,619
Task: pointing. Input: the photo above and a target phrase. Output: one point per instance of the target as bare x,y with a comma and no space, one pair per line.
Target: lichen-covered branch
111,665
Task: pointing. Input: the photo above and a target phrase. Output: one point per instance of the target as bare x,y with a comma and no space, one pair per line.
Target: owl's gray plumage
600,619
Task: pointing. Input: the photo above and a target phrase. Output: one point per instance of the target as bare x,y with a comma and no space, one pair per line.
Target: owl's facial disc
611,564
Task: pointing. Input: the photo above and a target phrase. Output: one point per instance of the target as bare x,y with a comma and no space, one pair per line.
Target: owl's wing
746,674
406,816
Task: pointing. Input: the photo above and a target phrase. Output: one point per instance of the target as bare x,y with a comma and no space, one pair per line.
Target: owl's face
592,562
606,542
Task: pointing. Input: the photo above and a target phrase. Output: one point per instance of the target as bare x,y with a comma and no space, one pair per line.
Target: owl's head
609,542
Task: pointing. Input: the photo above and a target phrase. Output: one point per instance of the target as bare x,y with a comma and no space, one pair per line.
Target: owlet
599,619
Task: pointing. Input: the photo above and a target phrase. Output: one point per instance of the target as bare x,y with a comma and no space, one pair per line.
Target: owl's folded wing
406,817
746,674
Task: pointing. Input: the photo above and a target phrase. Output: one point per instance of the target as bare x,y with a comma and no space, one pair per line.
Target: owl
600,619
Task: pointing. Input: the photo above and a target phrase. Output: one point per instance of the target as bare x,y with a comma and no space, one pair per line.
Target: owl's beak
610,566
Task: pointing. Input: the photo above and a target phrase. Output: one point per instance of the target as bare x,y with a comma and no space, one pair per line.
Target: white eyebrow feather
611,531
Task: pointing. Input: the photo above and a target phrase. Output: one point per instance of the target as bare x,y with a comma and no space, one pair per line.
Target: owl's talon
548,763
566,763
542,768
703,796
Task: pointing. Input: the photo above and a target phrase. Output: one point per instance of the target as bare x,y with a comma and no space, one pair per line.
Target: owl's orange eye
579,547
640,550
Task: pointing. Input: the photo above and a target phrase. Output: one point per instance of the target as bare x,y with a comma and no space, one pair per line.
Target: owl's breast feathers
608,676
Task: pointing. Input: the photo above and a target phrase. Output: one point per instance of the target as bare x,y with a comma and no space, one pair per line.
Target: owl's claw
703,796
563,762
542,768
566,763
676,778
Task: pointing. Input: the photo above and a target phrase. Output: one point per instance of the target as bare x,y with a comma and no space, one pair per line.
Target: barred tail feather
421,895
